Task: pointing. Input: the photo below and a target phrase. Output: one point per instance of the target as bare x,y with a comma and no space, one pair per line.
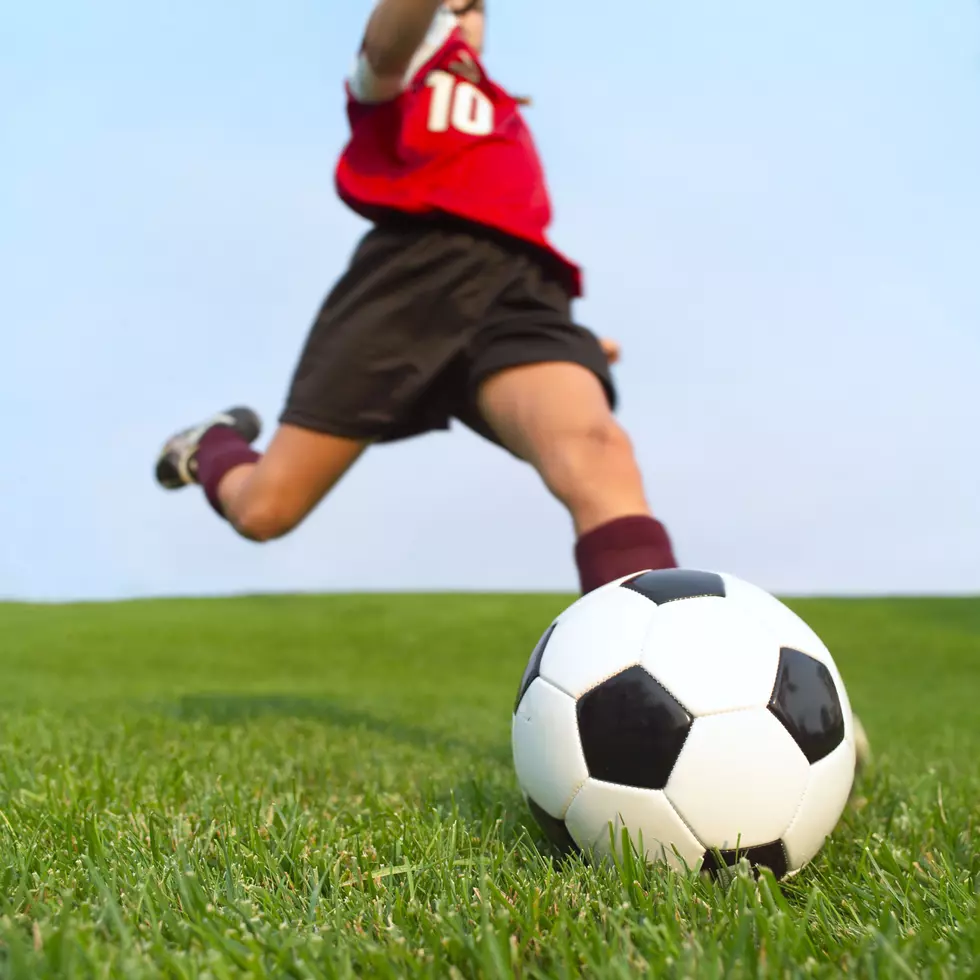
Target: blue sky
778,206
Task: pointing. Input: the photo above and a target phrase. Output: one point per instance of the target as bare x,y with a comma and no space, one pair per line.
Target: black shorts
426,312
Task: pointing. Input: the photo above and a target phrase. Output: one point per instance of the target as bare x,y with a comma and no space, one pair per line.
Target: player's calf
557,417
595,474
297,471
592,470
259,519
262,497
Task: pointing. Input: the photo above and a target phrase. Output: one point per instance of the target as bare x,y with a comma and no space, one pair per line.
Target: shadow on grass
231,709
478,801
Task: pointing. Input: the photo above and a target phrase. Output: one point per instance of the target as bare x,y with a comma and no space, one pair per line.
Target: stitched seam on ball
809,784
609,677
673,697
796,813
684,821
803,800
726,711
578,789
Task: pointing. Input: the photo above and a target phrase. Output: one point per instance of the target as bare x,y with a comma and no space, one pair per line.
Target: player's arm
395,32
398,33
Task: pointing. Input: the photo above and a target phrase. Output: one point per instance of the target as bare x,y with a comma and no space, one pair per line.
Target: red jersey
450,141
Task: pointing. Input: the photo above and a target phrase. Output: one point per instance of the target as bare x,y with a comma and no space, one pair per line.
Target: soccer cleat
862,747
177,462
862,757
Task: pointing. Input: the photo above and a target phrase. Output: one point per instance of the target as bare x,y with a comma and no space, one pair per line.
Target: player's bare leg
557,417
267,499
262,496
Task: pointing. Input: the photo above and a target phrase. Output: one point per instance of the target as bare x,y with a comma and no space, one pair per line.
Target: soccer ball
693,710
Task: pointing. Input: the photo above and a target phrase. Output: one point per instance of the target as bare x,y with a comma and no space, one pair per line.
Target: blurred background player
454,305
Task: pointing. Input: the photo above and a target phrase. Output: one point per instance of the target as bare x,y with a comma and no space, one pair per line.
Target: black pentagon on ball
771,856
533,667
672,584
806,701
554,829
632,730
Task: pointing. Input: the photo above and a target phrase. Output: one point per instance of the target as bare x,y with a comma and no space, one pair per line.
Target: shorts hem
357,433
491,368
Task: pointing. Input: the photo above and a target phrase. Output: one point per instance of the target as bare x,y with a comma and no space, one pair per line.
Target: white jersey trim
367,86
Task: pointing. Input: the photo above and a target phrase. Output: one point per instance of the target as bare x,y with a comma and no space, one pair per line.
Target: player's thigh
531,406
296,472
534,375
555,415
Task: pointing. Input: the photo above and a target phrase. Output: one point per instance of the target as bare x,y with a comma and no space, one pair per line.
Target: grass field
306,787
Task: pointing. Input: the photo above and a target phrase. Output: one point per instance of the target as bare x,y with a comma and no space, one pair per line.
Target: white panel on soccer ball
823,803
648,816
596,638
711,655
739,779
789,630
547,751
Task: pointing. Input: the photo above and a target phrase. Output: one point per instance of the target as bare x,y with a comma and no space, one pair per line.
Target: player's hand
611,349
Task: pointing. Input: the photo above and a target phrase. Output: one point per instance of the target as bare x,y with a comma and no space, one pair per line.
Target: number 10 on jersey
459,105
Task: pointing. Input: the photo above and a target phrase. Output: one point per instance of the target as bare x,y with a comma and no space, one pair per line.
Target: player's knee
262,520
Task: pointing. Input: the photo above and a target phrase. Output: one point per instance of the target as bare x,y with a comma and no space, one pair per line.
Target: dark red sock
629,544
221,450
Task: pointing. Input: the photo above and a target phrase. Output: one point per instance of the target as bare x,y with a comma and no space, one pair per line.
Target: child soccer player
454,305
